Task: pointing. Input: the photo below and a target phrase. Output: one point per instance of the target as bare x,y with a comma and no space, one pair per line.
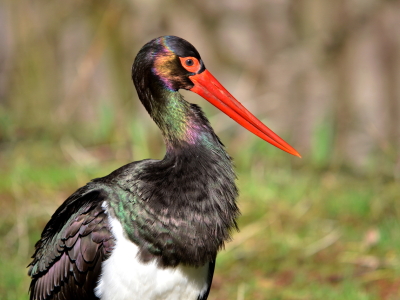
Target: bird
152,228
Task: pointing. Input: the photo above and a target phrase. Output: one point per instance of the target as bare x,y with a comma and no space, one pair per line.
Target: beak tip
297,154
293,152
289,149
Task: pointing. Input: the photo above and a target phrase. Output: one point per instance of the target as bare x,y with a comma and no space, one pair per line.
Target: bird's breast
124,276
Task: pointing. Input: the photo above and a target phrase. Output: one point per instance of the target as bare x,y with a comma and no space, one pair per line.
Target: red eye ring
191,64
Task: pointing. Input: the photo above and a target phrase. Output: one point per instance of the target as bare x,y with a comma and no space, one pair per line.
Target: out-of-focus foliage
326,73
323,74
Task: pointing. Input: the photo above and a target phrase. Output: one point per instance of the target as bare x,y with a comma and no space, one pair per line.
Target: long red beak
208,87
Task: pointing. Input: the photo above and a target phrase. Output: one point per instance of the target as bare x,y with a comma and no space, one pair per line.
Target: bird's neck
182,124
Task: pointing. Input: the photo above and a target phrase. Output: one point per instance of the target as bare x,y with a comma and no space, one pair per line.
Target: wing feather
68,257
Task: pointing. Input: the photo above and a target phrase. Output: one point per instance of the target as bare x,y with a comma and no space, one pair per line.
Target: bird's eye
191,64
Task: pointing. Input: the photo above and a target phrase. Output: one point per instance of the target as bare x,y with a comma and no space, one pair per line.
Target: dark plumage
68,257
177,211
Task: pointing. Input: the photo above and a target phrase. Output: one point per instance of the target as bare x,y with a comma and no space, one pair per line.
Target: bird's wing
211,267
68,257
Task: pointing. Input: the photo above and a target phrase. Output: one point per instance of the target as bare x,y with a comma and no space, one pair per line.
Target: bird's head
168,61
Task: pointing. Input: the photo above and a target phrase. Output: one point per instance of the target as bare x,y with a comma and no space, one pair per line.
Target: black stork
151,229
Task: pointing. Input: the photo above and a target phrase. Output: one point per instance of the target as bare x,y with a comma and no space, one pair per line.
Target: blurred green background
325,75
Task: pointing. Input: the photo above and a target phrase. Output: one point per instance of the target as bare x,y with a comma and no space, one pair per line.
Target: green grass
305,233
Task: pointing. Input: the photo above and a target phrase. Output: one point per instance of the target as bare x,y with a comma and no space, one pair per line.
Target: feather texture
68,257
